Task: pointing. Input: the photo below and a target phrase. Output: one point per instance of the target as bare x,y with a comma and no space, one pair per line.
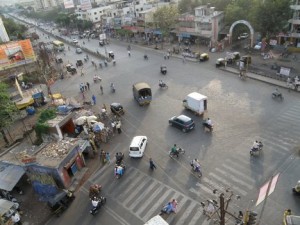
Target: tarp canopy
10,176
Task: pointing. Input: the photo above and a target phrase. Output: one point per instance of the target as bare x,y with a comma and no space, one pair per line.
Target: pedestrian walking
94,99
107,158
88,85
85,87
129,53
118,126
102,156
83,96
101,89
152,165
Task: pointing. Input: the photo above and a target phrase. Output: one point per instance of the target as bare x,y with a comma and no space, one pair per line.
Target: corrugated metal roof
10,175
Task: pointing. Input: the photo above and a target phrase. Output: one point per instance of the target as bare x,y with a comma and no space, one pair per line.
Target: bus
58,45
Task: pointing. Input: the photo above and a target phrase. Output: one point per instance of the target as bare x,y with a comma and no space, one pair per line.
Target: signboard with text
16,53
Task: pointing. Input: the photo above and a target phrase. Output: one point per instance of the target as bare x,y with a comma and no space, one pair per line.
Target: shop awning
10,176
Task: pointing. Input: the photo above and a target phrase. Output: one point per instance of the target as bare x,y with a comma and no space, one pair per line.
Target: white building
3,34
46,4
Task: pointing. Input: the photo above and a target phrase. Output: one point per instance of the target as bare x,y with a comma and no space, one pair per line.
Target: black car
182,122
71,69
79,62
117,108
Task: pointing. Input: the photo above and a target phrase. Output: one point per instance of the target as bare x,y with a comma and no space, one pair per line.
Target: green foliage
7,108
41,126
46,115
165,18
13,28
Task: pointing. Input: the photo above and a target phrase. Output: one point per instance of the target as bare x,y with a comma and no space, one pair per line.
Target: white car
137,146
75,41
243,36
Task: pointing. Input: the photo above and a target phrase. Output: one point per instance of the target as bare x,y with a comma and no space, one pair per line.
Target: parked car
243,36
78,50
137,146
182,122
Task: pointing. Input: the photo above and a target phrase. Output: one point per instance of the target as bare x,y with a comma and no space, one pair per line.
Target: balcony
295,21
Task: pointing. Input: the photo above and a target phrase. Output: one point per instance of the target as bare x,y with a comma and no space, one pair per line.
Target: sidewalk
254,76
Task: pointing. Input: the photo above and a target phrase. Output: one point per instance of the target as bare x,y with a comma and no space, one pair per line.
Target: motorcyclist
161,83
297,187
95,203
174,150
112,87
174,204
255,146
195,164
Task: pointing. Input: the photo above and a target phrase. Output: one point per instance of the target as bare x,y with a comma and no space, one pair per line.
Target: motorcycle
114,62
210,127
277,95
254,151
105,63
96,79
119,158
162,84
101,201
196,167
296,189
179,151
112,88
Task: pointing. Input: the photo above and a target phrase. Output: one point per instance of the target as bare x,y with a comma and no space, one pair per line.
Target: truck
156,220
195,102
102,39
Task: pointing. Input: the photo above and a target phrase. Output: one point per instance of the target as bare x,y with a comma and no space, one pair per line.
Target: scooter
209,127
256,151
163,85
179,151
101,202
196,169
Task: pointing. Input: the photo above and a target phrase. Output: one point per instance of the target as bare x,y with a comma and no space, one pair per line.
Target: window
96,18
95,13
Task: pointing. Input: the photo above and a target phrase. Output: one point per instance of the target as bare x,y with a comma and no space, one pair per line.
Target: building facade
295,24
47,4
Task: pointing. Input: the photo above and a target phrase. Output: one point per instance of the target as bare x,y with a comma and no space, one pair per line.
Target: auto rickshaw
204,57
111,55
60,202
116,108
221,62
289,219
142,93
71,69
79,62
163,69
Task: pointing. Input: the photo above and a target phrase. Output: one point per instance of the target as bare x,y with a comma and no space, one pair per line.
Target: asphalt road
242,111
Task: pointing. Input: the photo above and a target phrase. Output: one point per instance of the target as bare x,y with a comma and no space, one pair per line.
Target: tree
165,18
273,15
13,28
7,110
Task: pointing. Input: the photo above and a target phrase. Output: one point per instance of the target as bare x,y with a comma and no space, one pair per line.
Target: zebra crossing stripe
197,215
234,178
138,190
159,191
238,173
157,206
222,180
187,212
142,197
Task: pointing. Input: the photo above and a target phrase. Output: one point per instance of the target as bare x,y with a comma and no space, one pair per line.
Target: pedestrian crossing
144,196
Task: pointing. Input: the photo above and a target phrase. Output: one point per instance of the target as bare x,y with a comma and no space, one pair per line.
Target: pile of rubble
58,149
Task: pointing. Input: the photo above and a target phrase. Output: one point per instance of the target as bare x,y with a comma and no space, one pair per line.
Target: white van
137,146
156,220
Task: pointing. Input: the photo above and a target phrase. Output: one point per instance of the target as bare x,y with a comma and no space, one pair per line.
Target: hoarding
85,5
16,53
68,4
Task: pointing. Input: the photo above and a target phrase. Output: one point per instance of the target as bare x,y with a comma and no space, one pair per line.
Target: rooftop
48,154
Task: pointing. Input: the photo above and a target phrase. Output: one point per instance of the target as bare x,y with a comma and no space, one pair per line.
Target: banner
16,53
68,4
85,4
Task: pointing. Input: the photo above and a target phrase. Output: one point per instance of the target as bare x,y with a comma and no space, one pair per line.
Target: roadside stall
7,209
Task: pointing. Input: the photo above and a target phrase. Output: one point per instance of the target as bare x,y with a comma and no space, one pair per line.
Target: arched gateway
247,24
